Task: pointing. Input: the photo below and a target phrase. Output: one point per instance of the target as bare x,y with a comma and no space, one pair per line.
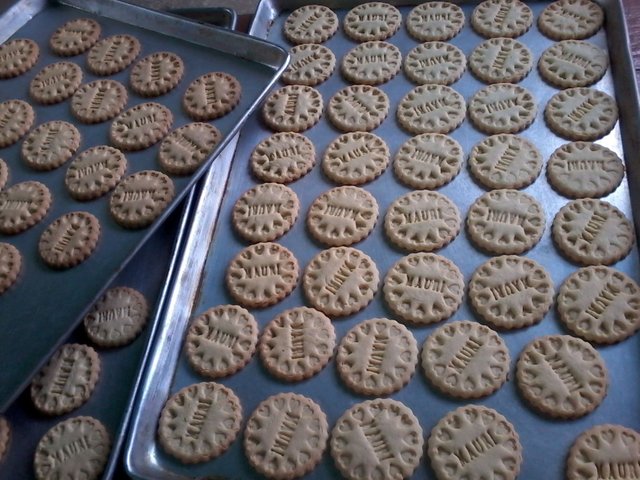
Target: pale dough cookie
377,357
22,206
221,341
75,37
501,18
311,24
55,83
501,60
562,376
297,344
95,172
573,63
69,240
465,360
4,173
581,113
265,212
600,304
511,291
371,63
10,267
435,62
262,275
340,281
141,126
211,96
156,74
112,54
424,288
98,101
506,222
358,108
17,56
435,21
286,436
310,64
283,157
67,380
502,108
355,158
571,19
16,118
293,108
372,21
592,232
185,149
583,169
377,439
342,216
431,109
428,161
5,436
474,442
505,161
50,145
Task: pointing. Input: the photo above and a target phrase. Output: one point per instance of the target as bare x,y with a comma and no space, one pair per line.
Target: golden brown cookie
50,145
17,56
293,108
573,63
156,74
10,267
311,64
69,240
501,60
310,24
55,83
211,96
571,19
283,157
435,62
358,108
186,148
95,172
355,158
371,63
501,18
16,118
74,37
438,21
97,101
112,54
431,109
141,126
372,21
502,108
22,206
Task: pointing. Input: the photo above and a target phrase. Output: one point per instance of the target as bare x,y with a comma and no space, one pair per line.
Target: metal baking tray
212,244
58,299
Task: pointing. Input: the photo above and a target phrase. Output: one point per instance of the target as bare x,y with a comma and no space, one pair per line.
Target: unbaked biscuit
573,63
95,172
50,145
74,37
431,109
156,74
17,56
435,62
10,267
358,108
185,149
293,108
69,240
501,18
501,60
55,82
372,21
311,64
438,21
16,118
571,19
283,157
141,126
310,24
23,205
112,54
355,158
371,63
211,95
502,108
97,101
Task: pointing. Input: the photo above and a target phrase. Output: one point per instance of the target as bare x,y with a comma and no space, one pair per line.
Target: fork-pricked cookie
502,108
16,118
50,145
55,82
18,56
97,101
355,158
311,64
435,62
75,37
156,74
283,157
435,21
293,108
141,126
95,172
211,96
372,21
10,267
501,18
371,63
501,60
311,24
112,54
573,63
571,19
431,109
186,148
358,108
4,173
69,240
23,205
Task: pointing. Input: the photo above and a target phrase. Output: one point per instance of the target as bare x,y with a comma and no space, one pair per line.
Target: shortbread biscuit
502,108
465,360
377,357
297,344
456,446
581,113
355,158
422,221
501,18
371,63
117,318
211,96
97,101
156,74
424,288
573,63
55,82
562,376
342,216
16,118
22,206
265,212
95,172
506,222
310,24
262,275
4,173
428,161
67,380
584,169
69,240
571,19
311,64
141,126
600,304
286,436
511,291
10,267
141,198
221,340
501,60
293,108
185,149
283,157
112,54
437,21
592,232
358,108
199,422
50,145
435,62
5,437
17,56
372,21
431,109
505,161
379,438
340,281
75,37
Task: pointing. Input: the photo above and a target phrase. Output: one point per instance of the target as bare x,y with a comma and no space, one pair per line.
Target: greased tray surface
57,299
545,442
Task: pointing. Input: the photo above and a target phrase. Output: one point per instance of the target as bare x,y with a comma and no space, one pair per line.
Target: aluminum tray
201,275
60,298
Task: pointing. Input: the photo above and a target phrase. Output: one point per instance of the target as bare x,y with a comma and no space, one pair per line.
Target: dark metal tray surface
60,298
201,282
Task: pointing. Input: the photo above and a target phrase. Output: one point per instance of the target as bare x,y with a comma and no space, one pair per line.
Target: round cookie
573,63
5,437
371,63
431,109
156,74
117,318
501,18
372,21
571,19
67,380
355,158
342,216
501,60
340,281
379,438
141,126
55,82
293,108
4,173
22,206
311,64
199,422
583,169
262,275
600,304
75,37
185,149
265,212
465,360
221,340
562,376
428,161
211,95
283,157
112,54
310,24
424,288
16,118
592,232
511,291
97,101
297,344
69,240
358,108
50,145
17,56
437,21
505,161
10,267
377,357
95,172
502,108
435,62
